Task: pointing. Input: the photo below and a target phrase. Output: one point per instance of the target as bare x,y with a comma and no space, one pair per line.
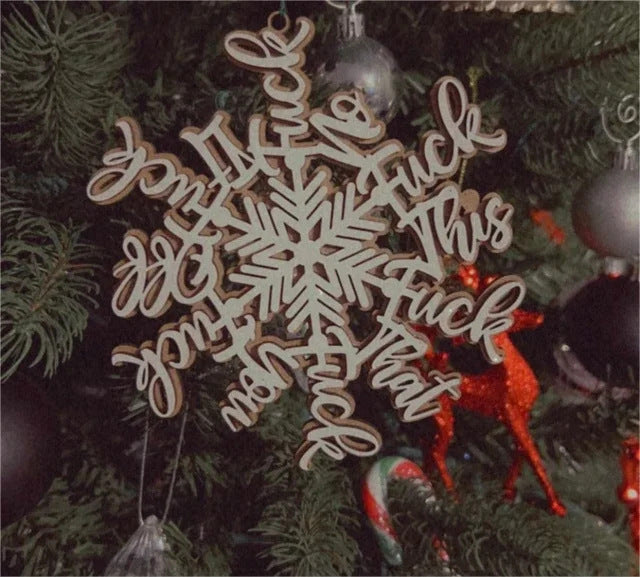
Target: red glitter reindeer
505,392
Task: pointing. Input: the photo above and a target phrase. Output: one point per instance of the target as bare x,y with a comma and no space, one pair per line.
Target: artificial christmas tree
240,505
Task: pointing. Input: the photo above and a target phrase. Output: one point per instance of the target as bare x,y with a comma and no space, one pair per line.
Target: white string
145,445
175,464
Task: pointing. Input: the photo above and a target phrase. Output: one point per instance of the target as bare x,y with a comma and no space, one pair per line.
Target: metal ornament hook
627,113
350,22
344,5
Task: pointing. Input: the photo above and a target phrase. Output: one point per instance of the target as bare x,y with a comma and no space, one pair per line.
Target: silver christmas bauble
606,214
365,64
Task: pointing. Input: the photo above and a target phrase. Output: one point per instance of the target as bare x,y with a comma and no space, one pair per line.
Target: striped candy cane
374,496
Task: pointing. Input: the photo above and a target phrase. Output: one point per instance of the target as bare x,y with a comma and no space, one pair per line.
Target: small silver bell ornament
145,553
363,63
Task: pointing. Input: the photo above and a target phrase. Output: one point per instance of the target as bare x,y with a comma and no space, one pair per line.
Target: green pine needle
485,536
46,290
59,79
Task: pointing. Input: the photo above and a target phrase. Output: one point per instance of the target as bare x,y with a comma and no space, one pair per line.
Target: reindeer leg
517,424
512,477
435,453
515,469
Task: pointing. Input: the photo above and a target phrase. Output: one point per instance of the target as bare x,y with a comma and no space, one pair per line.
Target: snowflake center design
308,250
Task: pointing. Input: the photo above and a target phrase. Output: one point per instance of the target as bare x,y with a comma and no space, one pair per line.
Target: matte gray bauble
365,64
606,213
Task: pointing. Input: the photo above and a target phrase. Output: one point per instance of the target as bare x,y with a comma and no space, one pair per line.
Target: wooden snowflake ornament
307,250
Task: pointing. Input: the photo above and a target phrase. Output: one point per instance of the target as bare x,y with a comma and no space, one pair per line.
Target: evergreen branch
309,528
31,195
578,57
484,536
584,61
199,558
59,80
46,287
310,516
34,540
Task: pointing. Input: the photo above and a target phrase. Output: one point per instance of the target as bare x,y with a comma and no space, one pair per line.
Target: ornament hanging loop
279,17
627,113
350,22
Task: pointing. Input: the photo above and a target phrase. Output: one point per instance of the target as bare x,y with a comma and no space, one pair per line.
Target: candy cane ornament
374,497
